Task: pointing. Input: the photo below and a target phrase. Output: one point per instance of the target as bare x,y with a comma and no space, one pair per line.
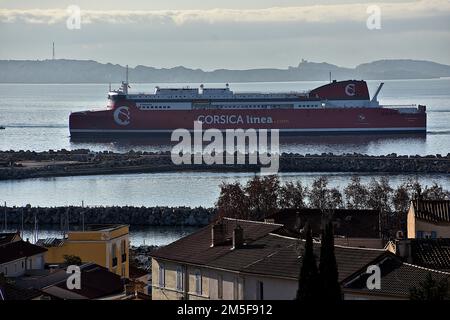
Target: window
236,289
162,275
433,235
260,290
220,287
179,282
114,254
123,247
419,234
198,282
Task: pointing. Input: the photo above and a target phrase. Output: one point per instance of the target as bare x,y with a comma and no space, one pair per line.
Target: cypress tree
309,282
331,289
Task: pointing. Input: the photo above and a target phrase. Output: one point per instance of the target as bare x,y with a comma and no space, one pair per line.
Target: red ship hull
338,120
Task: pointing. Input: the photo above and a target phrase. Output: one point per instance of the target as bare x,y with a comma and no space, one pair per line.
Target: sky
232,34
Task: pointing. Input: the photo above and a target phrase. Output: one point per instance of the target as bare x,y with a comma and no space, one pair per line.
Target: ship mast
125,85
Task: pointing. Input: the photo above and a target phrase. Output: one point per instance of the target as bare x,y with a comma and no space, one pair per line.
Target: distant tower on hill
53,55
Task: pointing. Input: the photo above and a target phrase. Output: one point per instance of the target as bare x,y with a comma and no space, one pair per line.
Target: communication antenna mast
53,55
21,228
330,76
6,222
35,231
82,215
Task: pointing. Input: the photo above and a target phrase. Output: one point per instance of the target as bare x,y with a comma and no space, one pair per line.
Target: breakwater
135,216
29,164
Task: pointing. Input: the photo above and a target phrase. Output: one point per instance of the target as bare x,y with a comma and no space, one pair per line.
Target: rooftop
431,253
8,237
264,252
432,210
18,249
397,278
347,223
11,292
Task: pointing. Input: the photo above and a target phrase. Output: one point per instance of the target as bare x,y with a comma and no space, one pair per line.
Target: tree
430,289
292,196
262,194
435,192
401,199
334,199
233,202
328,270
318,193
356,194
71,260
322,197
380,195
309,282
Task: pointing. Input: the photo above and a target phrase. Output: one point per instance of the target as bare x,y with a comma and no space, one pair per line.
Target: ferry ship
336,107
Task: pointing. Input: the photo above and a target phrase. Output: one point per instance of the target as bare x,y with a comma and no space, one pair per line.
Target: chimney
404,249
238,237
218,234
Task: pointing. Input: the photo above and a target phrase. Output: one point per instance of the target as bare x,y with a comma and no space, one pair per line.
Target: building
427,253
429,219
18,256
96,283
105,245
397,280
140,281
353,228
10,292
242,260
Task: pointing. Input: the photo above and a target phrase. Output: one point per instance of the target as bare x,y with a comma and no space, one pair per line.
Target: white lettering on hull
233,119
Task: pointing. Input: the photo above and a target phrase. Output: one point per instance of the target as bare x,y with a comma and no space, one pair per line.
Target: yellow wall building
105,245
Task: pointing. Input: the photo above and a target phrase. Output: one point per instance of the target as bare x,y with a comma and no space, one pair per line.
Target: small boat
2,128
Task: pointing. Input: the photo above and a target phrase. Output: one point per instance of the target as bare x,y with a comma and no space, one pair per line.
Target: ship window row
309,106
247,106
155,107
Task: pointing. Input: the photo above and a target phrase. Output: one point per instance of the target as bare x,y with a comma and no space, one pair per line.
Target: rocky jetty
137,216
30,164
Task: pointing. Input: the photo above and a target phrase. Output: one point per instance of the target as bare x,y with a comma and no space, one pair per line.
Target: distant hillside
88,71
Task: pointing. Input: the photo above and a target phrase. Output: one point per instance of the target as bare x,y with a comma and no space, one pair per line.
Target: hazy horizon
235,35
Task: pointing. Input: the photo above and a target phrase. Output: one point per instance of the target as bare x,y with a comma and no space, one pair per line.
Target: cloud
306,14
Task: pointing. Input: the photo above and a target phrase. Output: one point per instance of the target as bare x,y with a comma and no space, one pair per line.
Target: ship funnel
375,96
